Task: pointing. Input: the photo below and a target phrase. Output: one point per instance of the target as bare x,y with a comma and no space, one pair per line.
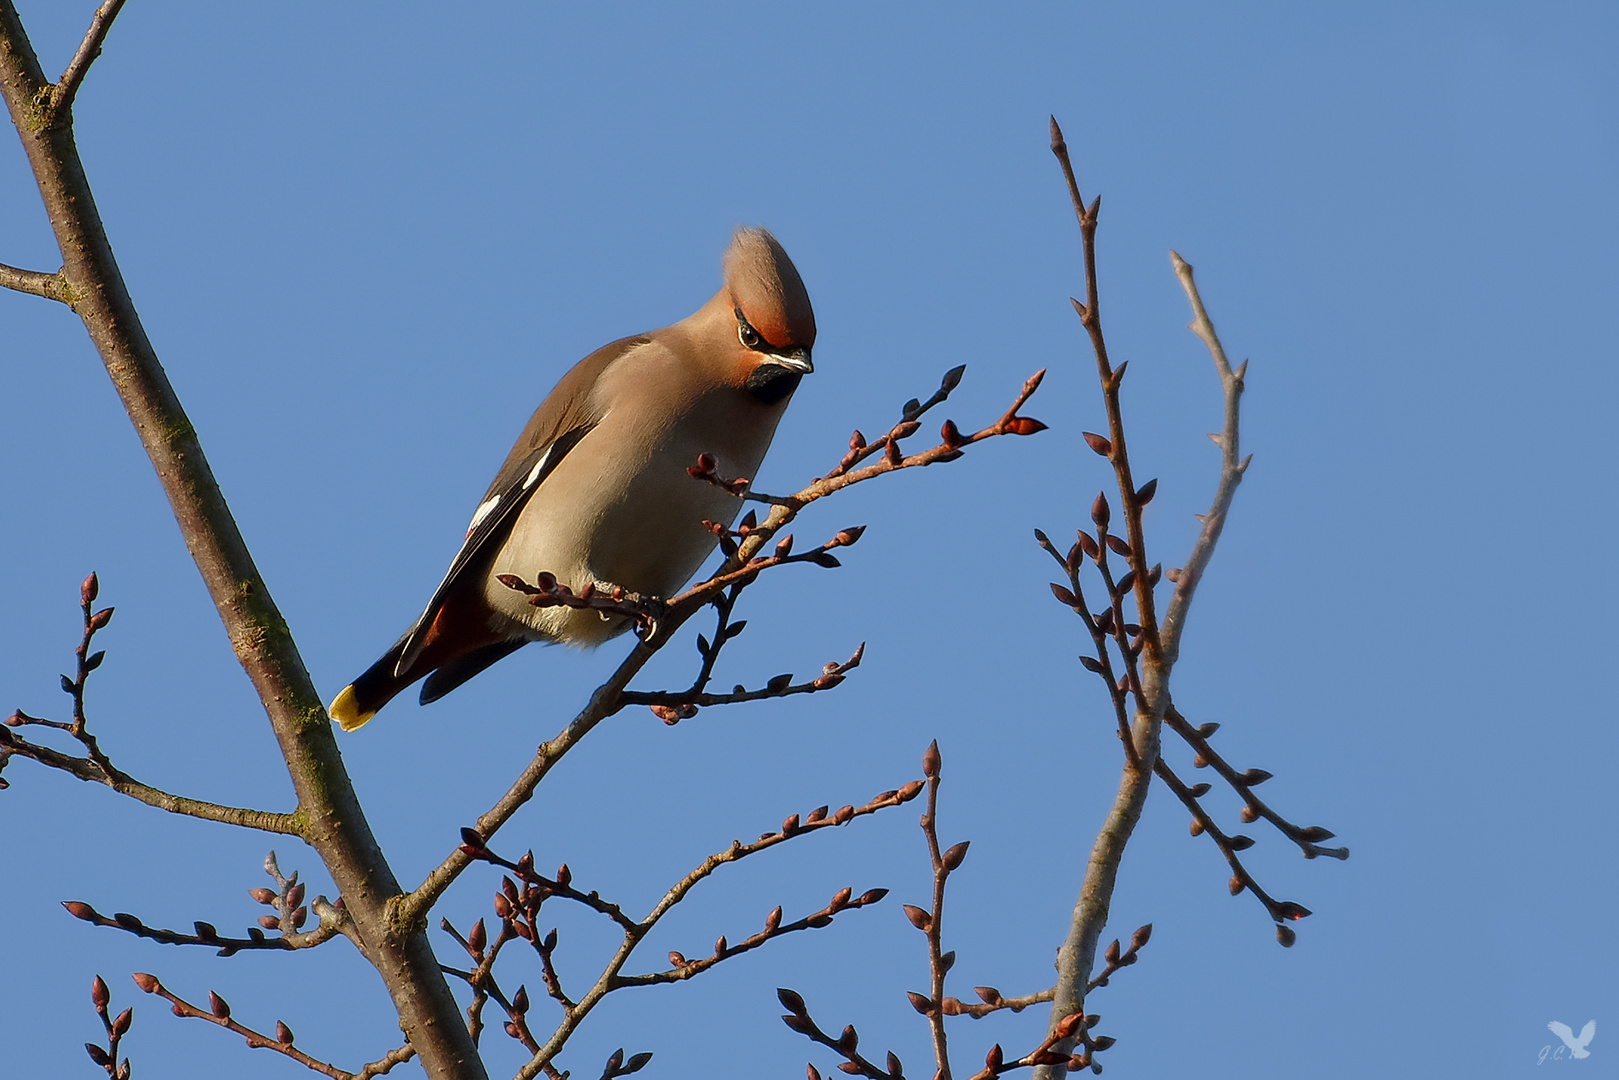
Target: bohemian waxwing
596,489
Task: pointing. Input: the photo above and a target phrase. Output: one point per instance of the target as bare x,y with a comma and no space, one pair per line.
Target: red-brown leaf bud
1235,885
857,441
471,841
1087,544
295,895
549,942
918,918
953,856
949,434
1248,814
816,814
89,588
1112,952
773,920
919,1003
810,1072
1091,663
1240,842
503,907
97,1054
1197,791
1315,834
1117,543
520,1001
99,994
911,790
780,683
637,1062
994,1059
147,983
892,452
676,960
987,994
1142,935
870,896
300,915
1126,582
952,379
792,1001
1199,761
1254,777
513,1030
270,922
1286,935
121,1022
843,816
1287,909
895,1069
848,1040
1195,828
706,462
478,937
950,1006
790,825
1068,1025
1146,491
1099,510
931,761
840,899
283,1034
947,960
1098,443
1102,1042
218,1006
850,536
80,910
100,619
1208,729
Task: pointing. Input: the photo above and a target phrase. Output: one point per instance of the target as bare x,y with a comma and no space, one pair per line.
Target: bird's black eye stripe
747,334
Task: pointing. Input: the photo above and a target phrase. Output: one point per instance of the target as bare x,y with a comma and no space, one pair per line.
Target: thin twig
1231,466
218,1012
67,87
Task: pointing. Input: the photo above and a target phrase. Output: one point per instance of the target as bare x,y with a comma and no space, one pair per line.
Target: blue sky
365,239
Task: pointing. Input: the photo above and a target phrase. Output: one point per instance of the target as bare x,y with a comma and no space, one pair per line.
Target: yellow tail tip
346,711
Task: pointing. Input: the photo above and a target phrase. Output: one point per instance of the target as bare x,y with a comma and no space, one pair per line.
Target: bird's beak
795,359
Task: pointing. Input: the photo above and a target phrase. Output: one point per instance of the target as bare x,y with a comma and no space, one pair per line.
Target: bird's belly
643,530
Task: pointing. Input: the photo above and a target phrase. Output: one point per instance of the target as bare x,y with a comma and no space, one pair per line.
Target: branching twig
115,1027
67,87
95,766
218,1012
518,903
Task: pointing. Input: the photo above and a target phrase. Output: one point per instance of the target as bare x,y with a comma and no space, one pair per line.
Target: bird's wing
1562,1031
565,416
1587,1032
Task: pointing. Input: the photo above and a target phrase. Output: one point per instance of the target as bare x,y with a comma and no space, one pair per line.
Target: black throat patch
770,383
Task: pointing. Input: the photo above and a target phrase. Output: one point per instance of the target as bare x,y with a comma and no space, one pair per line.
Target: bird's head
774,323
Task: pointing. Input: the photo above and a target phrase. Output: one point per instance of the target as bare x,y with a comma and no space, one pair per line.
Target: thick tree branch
334,823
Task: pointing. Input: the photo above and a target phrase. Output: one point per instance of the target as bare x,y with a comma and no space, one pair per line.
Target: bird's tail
359,700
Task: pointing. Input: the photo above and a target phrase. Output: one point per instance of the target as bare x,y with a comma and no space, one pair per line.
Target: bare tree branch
50,286
333,820
218,1012
67,87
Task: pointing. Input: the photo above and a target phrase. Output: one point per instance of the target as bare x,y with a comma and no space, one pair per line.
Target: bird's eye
747,334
